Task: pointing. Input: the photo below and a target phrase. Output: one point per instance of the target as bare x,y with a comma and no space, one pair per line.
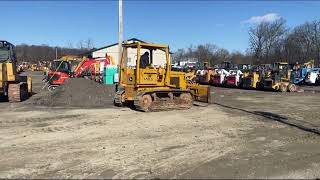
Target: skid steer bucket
201,93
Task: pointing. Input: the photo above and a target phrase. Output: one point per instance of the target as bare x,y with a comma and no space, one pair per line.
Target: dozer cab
152,85
280,78
12,86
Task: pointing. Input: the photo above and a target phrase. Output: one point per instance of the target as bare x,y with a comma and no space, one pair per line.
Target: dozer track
163,100
17,92
117,101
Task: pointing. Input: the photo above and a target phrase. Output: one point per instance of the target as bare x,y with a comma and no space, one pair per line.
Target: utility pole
120,30
56,52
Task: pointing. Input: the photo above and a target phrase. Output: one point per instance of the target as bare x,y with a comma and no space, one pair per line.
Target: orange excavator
61,70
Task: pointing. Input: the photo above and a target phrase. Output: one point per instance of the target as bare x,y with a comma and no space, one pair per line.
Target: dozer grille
175,81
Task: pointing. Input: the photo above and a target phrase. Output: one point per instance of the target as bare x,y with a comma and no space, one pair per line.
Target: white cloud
265,18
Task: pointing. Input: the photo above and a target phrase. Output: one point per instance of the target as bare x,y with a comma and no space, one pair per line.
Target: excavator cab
147,82
59,71
61,66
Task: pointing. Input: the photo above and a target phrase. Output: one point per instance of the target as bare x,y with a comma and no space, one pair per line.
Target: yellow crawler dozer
13,86
150,85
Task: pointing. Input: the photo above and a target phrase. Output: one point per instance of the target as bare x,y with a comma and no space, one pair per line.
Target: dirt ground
244,134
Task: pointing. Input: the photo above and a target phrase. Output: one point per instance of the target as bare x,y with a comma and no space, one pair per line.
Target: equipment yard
242,134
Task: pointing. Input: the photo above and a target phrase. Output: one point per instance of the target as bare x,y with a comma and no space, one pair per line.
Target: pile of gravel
78,92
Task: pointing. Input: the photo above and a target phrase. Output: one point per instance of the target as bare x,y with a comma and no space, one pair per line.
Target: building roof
132,39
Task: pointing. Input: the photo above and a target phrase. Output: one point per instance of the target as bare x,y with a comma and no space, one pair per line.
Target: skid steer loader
12,85
206,74
279,80
154,87
250,80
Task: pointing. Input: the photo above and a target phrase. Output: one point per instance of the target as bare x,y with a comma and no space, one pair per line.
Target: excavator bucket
201,93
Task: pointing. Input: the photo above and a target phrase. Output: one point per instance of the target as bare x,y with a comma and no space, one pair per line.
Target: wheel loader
280,78
12,85
154,87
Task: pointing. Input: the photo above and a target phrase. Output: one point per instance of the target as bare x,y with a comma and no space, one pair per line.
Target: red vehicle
62,70
87,68
220,78
59,71
233,80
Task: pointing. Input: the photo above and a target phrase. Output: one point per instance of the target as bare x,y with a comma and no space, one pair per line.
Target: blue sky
177,23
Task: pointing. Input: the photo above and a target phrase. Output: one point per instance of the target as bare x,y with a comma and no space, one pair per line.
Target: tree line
212,54
35,53
268,42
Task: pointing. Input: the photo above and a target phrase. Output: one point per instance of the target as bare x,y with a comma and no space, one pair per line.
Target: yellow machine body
245,74
250,79
136,82
206,75
17,88
34,67
279,78
7,74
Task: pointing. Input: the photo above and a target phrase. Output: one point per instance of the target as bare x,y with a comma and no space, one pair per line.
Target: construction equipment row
279,76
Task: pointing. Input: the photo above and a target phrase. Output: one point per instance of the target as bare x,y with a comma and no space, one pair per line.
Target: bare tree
89,44
303,43
265,39
32,53
257,40
268,42
70,44
179,55
205,53
316,39
80,44
222,55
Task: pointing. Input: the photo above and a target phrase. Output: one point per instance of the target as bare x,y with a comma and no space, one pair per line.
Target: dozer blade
201,93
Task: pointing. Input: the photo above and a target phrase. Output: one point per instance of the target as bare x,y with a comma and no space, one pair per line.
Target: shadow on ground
275,117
